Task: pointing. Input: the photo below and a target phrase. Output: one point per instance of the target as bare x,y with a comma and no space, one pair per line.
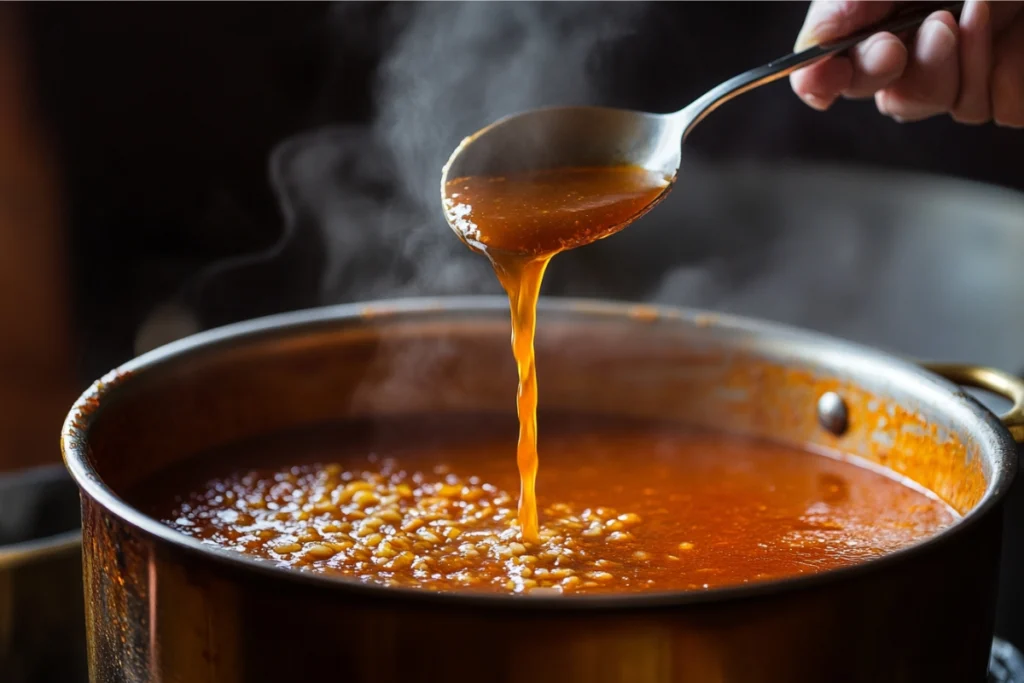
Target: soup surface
520,222
626,506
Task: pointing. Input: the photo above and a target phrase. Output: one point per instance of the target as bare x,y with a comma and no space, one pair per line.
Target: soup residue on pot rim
629,506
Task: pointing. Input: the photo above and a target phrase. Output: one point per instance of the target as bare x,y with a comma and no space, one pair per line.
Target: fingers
930,83
821,84
974,70
973,105
1008,76
871,66
877,62
829,19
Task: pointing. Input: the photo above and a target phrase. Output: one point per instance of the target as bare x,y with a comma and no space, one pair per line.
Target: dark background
165,115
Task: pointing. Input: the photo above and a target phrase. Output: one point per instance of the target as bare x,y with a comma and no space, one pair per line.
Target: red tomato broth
638,505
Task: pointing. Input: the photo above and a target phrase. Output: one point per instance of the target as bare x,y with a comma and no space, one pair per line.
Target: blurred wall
36,384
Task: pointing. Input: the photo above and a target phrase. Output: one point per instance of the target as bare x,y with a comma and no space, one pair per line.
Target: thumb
831,19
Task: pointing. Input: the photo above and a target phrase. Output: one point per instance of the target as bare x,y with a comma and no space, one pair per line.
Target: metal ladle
562,137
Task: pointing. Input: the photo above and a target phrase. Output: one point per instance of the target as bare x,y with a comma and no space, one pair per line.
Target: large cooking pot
165,607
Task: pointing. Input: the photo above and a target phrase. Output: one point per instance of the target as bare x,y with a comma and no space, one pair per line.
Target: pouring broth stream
520,222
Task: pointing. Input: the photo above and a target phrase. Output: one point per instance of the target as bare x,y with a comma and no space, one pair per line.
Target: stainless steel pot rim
789,341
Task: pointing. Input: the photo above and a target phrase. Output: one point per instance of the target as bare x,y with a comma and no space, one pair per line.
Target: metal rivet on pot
832,413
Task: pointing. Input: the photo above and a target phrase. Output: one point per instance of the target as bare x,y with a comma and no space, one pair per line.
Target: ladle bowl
561,137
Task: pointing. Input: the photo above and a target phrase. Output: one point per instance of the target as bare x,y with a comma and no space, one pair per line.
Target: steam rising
860,256
454,68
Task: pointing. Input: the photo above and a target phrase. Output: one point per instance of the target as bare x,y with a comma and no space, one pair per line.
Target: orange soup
520,222
626,506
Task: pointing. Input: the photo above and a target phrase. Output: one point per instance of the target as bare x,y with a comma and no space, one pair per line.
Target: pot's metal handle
998,382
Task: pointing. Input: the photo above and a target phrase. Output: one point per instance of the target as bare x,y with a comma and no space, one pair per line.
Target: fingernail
975,12
808,36
880,103
816,101
968,12
803,41
935,43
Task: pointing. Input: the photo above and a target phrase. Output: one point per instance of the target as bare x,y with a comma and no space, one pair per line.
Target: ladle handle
989,379
907,18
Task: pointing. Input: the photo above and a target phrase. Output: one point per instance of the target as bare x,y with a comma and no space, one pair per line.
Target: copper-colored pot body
162,607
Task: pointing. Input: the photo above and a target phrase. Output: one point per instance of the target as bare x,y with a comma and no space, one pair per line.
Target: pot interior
415,358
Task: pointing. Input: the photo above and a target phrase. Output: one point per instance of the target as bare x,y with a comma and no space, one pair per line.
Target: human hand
973,71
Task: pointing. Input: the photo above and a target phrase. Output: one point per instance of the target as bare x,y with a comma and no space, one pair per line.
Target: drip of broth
519,222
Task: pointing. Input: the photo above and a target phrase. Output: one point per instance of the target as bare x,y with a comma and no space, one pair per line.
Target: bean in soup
627,506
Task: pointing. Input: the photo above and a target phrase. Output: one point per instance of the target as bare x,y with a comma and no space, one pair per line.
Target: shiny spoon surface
561,137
